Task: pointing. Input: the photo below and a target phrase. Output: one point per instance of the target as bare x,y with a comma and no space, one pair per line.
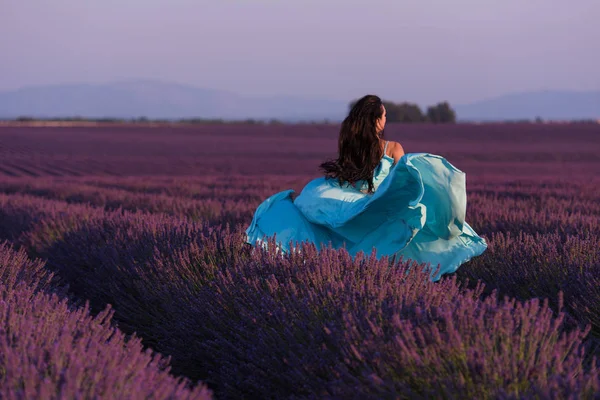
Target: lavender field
125,274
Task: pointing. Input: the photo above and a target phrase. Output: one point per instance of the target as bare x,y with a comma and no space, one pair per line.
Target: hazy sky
413,50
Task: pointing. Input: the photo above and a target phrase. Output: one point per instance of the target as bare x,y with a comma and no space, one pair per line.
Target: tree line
405,112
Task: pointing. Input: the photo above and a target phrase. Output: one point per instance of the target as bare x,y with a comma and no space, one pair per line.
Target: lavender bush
48,350
328,326
16,268
541,265
139,263
20,215
228,200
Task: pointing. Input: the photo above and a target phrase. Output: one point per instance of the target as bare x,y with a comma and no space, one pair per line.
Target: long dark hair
359,150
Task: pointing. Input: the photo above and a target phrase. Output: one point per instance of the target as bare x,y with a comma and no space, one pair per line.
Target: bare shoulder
396,150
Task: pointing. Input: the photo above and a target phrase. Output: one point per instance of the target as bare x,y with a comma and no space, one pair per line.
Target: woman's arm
397,151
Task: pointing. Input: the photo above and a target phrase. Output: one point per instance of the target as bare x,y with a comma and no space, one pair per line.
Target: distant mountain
555,105
155,99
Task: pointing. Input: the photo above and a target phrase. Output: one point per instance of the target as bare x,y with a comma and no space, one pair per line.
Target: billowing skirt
417,212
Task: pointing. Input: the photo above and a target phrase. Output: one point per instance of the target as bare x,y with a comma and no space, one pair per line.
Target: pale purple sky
413,50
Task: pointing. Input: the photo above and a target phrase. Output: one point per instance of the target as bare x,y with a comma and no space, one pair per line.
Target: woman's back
381,171
392,152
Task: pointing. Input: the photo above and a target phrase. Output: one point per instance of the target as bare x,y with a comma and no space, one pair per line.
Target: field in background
510,151
150,220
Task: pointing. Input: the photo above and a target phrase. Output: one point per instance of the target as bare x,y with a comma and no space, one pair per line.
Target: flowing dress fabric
417,212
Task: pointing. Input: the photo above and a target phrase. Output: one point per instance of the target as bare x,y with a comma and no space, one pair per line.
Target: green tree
441,113
404,112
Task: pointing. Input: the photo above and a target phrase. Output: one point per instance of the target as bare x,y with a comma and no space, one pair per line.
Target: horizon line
258,96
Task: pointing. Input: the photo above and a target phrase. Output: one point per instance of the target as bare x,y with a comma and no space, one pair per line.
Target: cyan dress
417,211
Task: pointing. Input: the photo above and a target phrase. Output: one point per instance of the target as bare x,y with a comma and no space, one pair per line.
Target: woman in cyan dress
375,197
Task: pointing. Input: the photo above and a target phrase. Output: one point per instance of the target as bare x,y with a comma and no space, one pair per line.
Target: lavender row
543,265
232,187
50,350
244,187
227,202
566,209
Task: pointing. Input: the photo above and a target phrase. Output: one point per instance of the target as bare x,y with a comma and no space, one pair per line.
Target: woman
375,197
